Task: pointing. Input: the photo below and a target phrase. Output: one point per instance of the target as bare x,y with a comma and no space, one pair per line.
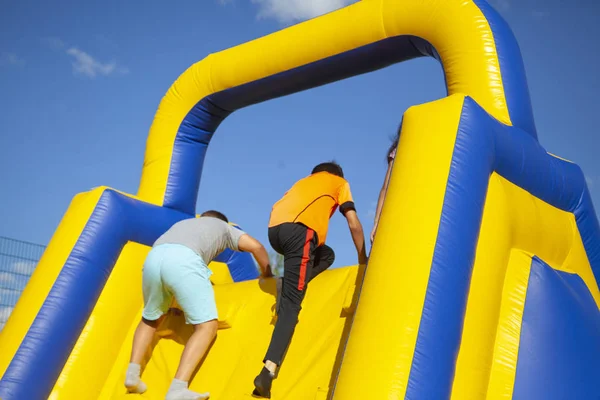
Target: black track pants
303,261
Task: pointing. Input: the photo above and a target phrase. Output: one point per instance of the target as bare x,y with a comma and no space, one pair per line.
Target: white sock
177,384
133,383
179,391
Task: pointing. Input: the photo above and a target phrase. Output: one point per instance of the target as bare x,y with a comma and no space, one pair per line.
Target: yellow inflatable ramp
246,323
482,282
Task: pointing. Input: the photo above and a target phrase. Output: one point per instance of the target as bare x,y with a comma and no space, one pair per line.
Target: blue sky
80,87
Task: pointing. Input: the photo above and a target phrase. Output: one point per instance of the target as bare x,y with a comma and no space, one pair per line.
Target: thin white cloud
86,65
286,11
11,59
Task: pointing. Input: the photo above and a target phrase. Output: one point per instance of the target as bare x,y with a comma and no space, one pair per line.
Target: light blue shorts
176,270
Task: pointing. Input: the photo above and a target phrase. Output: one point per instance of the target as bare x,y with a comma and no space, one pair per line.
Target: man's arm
358,237
248,244
382,194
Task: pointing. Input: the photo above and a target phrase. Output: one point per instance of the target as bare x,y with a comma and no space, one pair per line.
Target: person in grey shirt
177,266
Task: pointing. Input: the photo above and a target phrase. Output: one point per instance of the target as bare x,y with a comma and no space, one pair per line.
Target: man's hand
249,244
358,236
268,272
373,233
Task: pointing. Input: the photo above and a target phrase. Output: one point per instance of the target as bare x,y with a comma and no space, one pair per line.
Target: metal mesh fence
18,259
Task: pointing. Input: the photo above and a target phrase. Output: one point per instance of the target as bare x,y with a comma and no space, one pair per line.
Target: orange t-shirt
312,202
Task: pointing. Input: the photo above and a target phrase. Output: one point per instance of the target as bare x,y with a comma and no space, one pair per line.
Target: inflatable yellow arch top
482,281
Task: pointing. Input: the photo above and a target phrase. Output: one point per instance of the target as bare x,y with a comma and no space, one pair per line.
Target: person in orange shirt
298,229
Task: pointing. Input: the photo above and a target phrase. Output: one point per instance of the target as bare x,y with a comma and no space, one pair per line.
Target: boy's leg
142,338
189,281
324,258
289,308
194,350
156,303
298,244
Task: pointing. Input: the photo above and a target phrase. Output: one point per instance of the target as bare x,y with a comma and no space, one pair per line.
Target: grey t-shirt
207,236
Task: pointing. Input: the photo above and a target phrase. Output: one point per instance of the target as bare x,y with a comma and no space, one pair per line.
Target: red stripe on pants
305,258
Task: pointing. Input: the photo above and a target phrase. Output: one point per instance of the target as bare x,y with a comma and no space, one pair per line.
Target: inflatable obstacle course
482,281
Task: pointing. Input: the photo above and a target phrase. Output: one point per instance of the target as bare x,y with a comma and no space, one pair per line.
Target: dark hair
215,214
332,167
394,144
